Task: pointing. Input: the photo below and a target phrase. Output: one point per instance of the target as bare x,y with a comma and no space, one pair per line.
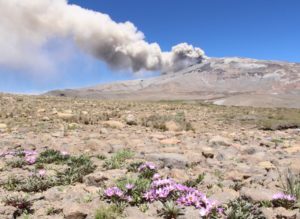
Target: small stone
189,213
41,110
170,141
114,124
98,145
84,113
268,213
208,152
287,214
154,207
171,160
73,125
74,211
103,131
172,126
219,141
65,116
131,120
225,196
3,126
266,165
133,212
259,194
7,212
95,179
179,175
293,149
45,118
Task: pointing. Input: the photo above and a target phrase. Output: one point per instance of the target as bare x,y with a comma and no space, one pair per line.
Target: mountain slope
229,81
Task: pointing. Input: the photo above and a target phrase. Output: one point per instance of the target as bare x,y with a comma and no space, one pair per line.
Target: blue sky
261,29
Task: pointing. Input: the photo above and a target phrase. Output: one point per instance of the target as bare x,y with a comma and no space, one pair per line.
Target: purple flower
129,198
64,153
30,159
30,153
42,172
147,165
204,211
129,186
283,197
113,191
156,176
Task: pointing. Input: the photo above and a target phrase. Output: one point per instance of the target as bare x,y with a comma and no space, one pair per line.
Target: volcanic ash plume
26,26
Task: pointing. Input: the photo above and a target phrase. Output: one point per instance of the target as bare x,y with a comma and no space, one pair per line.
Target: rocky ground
75,158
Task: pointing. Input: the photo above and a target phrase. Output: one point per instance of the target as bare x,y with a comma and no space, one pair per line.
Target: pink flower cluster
162,189
282,196
116,193
147,165
30,156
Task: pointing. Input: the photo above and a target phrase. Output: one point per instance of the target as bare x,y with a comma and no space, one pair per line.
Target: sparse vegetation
20,202
159,121
16,163
52,156
117,160
242,208
78,167
126,180
197,181
53,211
291,184
108,212
170,210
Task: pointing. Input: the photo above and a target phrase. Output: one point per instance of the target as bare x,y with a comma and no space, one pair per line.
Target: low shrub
22,204
242,208
118,159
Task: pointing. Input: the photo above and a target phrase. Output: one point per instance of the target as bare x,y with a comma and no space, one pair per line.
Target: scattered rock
225,196
114,124
135,213
266,165
7,212
219,141
66,116
170,160
103,131
179,175
208,152
154,208
257,194
172,126
74,211
95,179
189,213
131,120
98,145
3,127
46,118
170,141
287,214
293,149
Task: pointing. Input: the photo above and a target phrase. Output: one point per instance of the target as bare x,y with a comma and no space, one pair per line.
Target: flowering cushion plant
283,200
164,190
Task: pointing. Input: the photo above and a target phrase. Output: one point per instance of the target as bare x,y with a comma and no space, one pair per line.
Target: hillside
226,81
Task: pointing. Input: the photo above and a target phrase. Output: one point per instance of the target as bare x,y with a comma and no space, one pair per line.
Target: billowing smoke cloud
26,26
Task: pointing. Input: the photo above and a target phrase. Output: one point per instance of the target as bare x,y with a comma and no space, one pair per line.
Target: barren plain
79,158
